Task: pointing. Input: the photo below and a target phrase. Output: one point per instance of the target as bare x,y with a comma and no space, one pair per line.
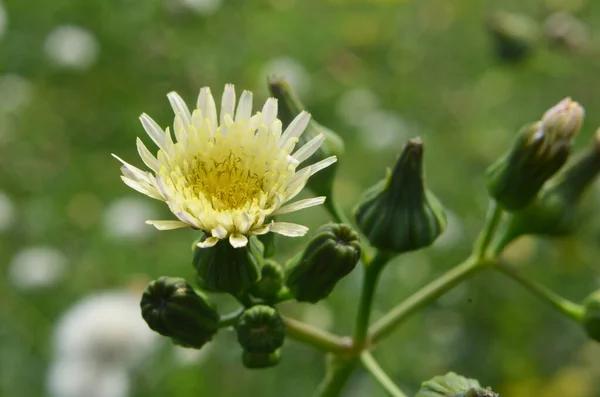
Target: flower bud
566,32
399,214
261,360
260,330
539,151
271,281
223,268
591,316
332,253
172,308
289,107
514,35
453,385
554,212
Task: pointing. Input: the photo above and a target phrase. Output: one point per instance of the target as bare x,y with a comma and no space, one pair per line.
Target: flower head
227,175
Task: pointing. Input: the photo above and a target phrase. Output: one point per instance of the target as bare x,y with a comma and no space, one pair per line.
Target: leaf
453,385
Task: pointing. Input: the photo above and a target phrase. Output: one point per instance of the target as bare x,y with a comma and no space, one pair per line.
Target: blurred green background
74,77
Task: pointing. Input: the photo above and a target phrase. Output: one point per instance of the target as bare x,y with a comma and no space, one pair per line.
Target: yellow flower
227,175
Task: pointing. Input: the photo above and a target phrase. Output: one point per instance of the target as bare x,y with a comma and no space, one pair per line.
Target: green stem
318,338
379,374
372,272
338,373
336,211
230,319
570,309
429,293
492,221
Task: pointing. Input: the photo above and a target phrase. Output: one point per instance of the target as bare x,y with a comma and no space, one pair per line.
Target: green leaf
453,385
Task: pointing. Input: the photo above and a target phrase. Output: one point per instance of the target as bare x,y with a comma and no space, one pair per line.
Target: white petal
289,229
296,127
179,107
132,172
309,148
238,240
227,102
153,130
206,103
297,183
167,225
318,166
169,145
299,205
209,242
264,229
243,222
186,217
180,129
147,157
269,111
147,190
219,232
244,109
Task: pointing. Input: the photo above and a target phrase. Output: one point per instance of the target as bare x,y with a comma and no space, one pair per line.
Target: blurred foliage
430,69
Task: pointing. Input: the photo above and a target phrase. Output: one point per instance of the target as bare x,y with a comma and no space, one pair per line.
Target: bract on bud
514,35
332,253
172,308
399,214
271,281
453,385
591,316
554,212
223,268
289,107
260,330
539,151
261,360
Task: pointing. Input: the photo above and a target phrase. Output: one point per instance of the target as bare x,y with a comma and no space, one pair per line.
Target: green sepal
260,329
398,214
453,385
172,308
331,254
261,360
223,268
270,283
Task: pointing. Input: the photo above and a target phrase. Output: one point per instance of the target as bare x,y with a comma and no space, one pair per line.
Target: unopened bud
271,281
172,308
261,360
400,214
331,254
289,107
453,385
591,316
260,330
223,268
539,151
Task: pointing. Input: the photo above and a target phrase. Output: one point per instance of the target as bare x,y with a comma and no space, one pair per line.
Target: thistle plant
230,174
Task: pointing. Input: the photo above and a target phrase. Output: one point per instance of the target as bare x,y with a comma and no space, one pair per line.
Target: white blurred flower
84,378
37,267
15,93
125,218
71,47
355,104
187,357
105,328
203,7
381,130
289,69
3,20
7,212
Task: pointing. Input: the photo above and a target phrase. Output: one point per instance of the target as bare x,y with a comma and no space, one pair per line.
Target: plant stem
318,338
336,211
230,319
371,276
492,221
338,373
570,309
429,293
379,374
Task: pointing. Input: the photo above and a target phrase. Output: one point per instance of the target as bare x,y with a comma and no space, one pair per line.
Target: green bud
555,211
399,214
172,308
260,330
223,268
289,107
268,241
591,316
539,151
261,360
514,35
332,253
453,385
270,283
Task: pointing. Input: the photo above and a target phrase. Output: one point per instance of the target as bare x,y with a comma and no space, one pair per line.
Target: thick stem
371,276
570,309
336,211
318,338
379,374
492,221
429,293
338,373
